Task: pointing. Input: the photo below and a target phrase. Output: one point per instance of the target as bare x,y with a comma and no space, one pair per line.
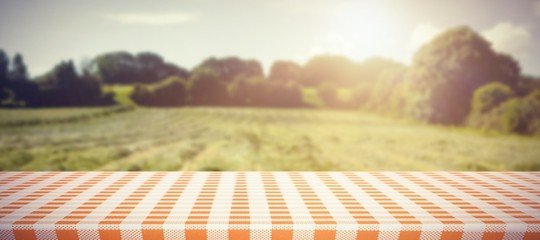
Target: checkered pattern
269,205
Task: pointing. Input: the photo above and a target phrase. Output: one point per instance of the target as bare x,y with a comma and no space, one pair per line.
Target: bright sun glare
372,28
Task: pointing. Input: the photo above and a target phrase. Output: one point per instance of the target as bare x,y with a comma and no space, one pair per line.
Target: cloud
537,8
509,38
171,18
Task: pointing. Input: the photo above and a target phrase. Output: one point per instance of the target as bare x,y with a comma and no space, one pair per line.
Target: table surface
269,205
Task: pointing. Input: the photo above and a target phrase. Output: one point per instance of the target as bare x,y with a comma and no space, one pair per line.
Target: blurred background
270,85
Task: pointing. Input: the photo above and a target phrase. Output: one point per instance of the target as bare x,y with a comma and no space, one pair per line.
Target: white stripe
445,205
65,209
132,224
472,227
92,220
345,222
39,202
28,190
175,222
5,175
218,219
379,213
260,219
303,224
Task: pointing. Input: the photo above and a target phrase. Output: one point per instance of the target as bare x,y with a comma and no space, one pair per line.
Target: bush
490,96
169,92
516,115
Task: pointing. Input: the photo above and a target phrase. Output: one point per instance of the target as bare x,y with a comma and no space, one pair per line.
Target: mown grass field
128,138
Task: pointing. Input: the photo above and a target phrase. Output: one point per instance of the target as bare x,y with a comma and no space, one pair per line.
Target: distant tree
446,72
18,71
116,67
285,96
286,72
227,69
329,94
4,67
334,69
252,91
5,93
386,95
375,72
151,68
206,88
169,92
65,75
215,81
15,88
125,68
260,92
64,87
148,65
371,68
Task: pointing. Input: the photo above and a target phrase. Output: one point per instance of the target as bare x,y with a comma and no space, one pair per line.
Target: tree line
456,79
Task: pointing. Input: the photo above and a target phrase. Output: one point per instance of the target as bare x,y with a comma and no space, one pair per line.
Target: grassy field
128,138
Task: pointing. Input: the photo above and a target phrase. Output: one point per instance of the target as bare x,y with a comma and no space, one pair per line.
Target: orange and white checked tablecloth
269,205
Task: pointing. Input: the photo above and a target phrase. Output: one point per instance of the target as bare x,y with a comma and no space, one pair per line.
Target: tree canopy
446,71
126,68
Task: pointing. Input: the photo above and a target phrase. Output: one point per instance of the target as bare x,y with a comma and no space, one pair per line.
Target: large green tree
446,72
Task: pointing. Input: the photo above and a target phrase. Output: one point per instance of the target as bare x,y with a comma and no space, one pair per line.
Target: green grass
121,93
248,139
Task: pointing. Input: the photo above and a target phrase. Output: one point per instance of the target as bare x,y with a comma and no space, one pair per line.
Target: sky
189,31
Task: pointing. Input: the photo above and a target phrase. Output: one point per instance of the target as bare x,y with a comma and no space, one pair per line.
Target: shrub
490,96
169,92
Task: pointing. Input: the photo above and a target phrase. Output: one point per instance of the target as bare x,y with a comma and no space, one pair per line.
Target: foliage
286,72
490,96
446,72
456,79
18,70
329,94
125,68
386,94
169,92
228,69
334,69
207,88
515,115
63,86
4,66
